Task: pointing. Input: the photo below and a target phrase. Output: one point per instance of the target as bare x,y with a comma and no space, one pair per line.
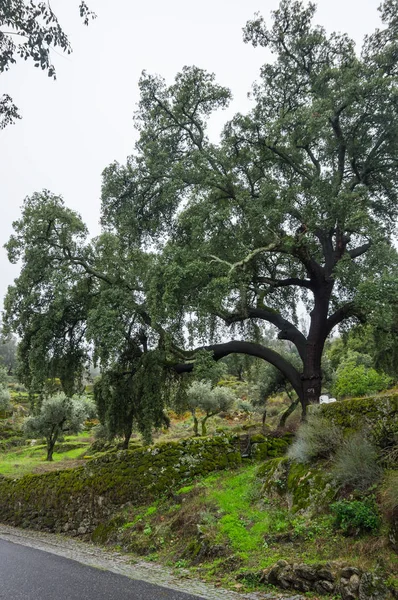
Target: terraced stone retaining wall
76,500
357,412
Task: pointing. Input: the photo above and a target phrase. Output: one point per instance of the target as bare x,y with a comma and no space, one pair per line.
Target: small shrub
319,438
356,463
293,422
101,432
390,456
273,410
356,517
244,406
389,496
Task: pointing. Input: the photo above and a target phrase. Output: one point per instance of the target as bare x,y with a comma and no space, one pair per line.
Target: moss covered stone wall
76,500
356,412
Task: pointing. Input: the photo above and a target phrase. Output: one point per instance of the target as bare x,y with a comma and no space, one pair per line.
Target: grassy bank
226,530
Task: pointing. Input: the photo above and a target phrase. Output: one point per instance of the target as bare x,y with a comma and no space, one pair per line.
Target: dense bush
357,516
356,463
244,406
86,405
359,380
318,438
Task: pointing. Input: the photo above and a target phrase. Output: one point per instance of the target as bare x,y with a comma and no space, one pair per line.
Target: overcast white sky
74,127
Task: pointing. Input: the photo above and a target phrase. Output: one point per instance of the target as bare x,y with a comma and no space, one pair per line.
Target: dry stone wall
355,413
350,583
77,500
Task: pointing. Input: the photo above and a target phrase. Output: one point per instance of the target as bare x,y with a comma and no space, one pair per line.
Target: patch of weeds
208,517
280,521
357,516
151,510
242,522
181,563
309,531
153,557
185,490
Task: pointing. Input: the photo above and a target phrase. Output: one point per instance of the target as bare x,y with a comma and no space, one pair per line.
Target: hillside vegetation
329,503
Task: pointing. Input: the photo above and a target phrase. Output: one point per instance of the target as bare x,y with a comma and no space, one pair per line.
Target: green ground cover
225,529
31,459
228,526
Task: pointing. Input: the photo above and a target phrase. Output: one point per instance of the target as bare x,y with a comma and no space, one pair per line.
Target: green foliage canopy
134,392
8,353
5,397
297,202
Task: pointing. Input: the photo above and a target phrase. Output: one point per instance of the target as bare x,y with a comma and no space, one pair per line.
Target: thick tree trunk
311,378
311,391
203,426
308,383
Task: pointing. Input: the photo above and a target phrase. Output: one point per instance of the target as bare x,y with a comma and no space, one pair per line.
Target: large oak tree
293,208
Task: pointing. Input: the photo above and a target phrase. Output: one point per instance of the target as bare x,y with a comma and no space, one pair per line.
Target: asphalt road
30,574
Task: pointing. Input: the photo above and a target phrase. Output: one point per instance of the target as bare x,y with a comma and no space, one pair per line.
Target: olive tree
211,401
58,415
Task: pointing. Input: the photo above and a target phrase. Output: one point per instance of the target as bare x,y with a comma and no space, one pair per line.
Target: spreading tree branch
253,349
287,331
344,312
360,250
289,281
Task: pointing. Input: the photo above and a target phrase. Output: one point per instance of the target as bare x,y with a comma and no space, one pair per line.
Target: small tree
58,415
211,401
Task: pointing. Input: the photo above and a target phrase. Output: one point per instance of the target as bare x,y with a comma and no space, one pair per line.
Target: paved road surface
30,574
